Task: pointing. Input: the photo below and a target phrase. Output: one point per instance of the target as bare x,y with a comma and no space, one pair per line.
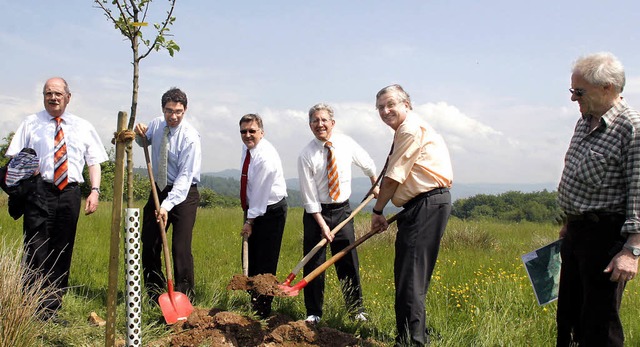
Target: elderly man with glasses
176,156
599,192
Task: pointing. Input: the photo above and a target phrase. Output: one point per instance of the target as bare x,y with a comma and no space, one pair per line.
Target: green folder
543,268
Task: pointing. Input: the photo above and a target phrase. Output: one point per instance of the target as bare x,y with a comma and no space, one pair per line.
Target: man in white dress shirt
327,207
49,238
265,211
178,199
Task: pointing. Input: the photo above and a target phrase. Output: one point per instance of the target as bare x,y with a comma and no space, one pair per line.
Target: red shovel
323,242
175,306
295,290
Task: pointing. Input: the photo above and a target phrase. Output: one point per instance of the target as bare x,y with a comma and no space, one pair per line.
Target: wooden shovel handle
156,200
334,231
324,266
245,255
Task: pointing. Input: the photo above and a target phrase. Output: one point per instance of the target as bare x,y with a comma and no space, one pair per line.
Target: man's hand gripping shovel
323,242
295,290
175,306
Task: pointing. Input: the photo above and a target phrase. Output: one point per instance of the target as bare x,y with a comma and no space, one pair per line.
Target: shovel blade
175,307
288,291
293,290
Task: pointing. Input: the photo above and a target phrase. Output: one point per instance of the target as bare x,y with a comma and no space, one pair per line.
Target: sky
491,77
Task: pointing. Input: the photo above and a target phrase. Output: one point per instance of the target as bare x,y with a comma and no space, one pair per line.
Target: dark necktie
243,181
332,173
60,178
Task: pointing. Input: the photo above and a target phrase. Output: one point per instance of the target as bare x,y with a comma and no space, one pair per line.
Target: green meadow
479,296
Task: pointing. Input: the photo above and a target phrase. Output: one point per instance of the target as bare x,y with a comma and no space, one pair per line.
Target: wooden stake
114,248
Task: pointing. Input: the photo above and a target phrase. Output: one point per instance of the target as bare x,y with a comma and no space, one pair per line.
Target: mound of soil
222,328
265,284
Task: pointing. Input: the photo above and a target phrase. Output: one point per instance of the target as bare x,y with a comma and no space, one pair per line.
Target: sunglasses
577,92
250,131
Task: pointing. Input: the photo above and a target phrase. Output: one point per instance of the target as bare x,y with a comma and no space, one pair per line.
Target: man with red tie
64,142
263,193
324,170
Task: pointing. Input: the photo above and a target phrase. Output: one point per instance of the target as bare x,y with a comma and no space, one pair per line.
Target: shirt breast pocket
592,169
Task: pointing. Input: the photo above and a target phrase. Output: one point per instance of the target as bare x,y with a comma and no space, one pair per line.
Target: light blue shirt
183,161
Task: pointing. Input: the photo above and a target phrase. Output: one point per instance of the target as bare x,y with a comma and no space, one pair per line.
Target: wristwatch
97,189
634,250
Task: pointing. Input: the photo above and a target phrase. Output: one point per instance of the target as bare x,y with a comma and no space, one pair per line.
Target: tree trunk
132,119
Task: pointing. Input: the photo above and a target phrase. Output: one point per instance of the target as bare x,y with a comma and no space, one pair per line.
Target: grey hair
320,107
66,85
601,69
402,95
251,117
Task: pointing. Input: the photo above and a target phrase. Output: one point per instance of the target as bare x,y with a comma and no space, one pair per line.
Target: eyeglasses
390,105
54,94
577,91
321,120
250,131
170,112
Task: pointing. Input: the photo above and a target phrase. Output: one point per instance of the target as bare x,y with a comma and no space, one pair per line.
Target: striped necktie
162,159
332,172
60,178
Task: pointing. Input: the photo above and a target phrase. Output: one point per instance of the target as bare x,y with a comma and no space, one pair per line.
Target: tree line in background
513,206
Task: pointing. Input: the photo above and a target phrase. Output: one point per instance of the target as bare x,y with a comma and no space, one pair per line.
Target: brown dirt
222,328
266,284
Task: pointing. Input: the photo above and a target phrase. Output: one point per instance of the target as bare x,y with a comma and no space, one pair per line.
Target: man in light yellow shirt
418,178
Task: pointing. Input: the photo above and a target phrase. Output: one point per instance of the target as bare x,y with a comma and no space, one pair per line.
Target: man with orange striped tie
64,143
324,171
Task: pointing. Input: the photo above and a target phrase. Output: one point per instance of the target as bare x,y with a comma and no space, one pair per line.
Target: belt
335,206
424,195
595,217
50,185
170,186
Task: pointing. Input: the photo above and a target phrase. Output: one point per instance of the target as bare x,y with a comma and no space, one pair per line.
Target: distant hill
230,182
229,173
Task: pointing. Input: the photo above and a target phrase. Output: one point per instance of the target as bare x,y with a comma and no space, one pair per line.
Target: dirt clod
265,284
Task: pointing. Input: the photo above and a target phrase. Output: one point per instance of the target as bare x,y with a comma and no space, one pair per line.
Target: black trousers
264,250
347,268
420,228
588,302
49,245
183,218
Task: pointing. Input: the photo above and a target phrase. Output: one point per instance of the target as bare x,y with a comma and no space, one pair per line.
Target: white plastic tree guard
132,286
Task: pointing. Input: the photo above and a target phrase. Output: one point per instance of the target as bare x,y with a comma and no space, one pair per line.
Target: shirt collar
618,107
320,143
615,111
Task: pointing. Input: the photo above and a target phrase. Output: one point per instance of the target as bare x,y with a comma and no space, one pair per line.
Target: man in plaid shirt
600,193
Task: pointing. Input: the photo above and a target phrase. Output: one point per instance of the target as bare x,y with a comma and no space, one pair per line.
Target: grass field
479,296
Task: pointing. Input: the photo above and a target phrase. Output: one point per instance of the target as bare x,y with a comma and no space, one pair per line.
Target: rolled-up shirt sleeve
308,190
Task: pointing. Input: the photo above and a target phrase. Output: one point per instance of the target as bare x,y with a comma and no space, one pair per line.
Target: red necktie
332,173
243,181
60,178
